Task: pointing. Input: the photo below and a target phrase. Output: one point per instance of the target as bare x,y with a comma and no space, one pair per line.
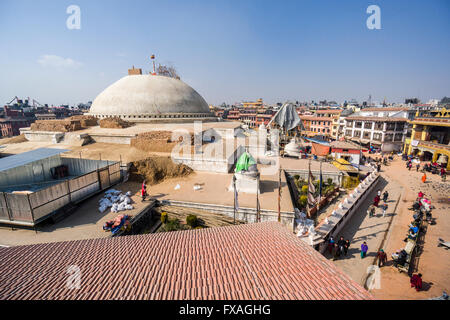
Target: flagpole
307,194
258,213
234,201
320,183
279,195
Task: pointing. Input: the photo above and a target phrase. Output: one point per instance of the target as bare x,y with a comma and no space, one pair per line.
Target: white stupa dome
150,98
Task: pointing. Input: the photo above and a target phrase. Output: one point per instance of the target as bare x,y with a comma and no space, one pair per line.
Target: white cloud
53,61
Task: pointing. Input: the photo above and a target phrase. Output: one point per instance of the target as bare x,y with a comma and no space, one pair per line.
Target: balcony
433,145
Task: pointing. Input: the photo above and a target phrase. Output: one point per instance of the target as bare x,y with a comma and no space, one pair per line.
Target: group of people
376,163
376,203
432,167
338,248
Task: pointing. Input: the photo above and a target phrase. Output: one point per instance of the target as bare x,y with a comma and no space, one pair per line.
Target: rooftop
383,119
344,145
387,109
329,111
22,159
251,261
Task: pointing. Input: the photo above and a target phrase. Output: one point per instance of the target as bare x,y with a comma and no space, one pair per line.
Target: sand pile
86,121
114,123
56,125
156,169
17,139
156,141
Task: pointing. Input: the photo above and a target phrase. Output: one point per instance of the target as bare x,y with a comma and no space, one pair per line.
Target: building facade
430,137
386,128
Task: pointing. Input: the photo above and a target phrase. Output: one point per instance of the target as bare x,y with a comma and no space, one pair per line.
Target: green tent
244,162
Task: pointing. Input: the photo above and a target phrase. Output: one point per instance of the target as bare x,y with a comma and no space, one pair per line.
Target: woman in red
144,190
376,200
416,281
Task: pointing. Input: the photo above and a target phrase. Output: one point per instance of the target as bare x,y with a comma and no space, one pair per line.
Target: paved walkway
371,230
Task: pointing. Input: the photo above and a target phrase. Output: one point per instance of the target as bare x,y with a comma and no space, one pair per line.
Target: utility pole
234,201
279,195
258,211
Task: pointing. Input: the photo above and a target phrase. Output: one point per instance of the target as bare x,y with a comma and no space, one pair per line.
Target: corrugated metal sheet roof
252,261
21,159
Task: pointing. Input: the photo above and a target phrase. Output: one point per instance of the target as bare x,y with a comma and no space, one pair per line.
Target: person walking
416,281
385,206
376,200
330,245
443,174
340,247
382,258
417,167
371,211
143,191
385,196
364,249
346,246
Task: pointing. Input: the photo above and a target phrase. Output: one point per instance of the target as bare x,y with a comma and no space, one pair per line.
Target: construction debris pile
156,141
17,139
156,169
56,125
115,200
114,123
85,121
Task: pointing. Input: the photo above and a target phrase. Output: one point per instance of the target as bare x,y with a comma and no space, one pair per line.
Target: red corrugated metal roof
252,261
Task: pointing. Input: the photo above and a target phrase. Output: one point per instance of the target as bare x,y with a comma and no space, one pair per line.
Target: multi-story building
386,128
334,115
13,120
430,137
317,125
341,123
234,114
253,104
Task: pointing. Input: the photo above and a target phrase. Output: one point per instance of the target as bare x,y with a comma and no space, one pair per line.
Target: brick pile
56,125
86,121
114,123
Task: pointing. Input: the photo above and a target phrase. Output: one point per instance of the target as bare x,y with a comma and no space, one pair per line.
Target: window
357,134
368,125
390,126
358,124
378,125
377,136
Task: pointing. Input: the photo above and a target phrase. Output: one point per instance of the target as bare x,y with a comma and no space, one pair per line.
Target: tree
445,100
167,71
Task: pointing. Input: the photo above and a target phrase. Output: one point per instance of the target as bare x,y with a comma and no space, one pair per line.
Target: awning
344,165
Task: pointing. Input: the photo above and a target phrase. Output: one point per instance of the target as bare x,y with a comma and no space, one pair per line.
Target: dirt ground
434,261
13,140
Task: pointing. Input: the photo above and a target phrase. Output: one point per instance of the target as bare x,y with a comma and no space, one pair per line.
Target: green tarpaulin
244,162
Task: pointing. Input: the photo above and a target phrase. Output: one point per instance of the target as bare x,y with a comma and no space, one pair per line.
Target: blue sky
228,51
